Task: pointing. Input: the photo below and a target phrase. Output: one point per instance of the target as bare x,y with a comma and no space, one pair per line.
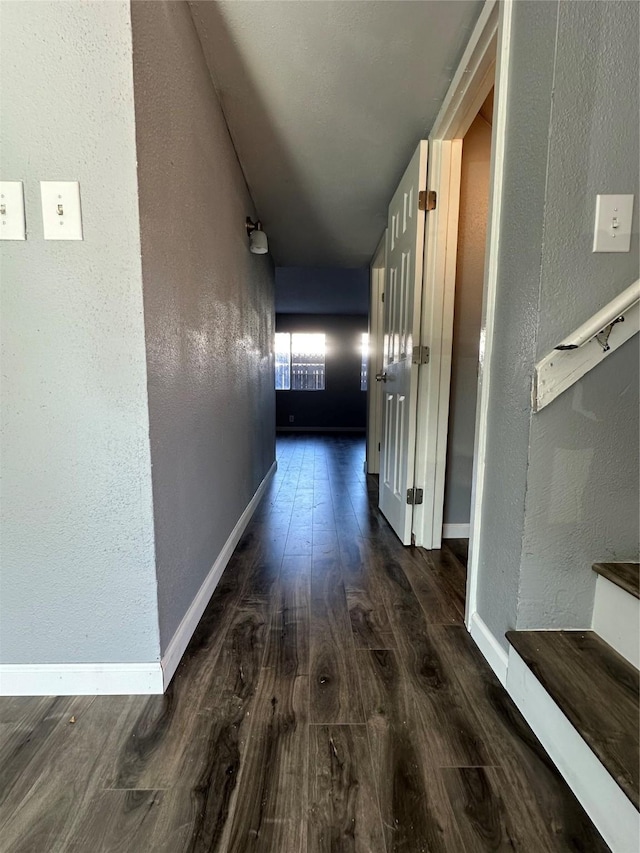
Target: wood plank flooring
330,700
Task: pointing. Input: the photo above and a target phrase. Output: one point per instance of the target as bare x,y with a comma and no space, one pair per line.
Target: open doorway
483,68
467,321
418,451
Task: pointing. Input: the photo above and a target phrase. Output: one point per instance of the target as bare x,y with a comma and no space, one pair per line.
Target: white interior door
376,358
403,291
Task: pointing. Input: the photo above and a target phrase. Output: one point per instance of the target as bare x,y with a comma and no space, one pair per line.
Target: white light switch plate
613,223
12,225
61,212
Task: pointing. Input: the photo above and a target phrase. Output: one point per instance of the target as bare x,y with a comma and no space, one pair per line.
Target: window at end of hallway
300,361
283,361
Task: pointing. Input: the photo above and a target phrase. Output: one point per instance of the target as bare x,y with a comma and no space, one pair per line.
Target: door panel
403,290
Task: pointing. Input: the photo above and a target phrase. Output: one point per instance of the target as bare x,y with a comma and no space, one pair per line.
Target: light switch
12,225
613,223
61,213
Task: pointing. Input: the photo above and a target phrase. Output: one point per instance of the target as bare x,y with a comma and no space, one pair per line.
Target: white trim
473,79
437,330
616,618
455,531
187,626
489,301
613,814
87,679
491,649
560,369
443,336
80,679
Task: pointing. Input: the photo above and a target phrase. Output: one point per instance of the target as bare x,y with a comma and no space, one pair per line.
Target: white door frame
484,64
376,340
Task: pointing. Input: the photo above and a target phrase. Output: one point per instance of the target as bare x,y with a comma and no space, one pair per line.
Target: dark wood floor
331,700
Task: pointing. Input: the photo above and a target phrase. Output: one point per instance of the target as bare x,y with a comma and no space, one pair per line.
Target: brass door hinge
420,355
427,200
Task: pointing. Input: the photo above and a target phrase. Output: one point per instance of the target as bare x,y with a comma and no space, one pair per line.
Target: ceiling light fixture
258,243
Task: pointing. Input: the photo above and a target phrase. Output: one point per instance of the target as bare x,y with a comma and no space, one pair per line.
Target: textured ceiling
326,102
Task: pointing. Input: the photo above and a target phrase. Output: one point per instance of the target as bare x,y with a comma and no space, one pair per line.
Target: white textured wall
472,233
561,486
77,582
208,310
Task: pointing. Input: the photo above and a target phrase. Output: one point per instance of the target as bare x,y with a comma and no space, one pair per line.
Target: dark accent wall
342,405
322,290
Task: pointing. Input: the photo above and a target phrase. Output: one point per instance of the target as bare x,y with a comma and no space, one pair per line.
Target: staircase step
616,608
624,575
596,689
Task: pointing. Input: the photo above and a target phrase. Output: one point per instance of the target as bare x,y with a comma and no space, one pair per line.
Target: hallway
330,700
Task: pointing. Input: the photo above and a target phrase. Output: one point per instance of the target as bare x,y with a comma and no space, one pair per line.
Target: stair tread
624,575
597,690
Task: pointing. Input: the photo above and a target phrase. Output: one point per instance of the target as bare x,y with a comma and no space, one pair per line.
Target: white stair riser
613,814
616,618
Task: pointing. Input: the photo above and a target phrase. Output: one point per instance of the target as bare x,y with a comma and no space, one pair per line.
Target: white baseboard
613,814
616,618
80,679
87,679
495,655
455,531
180,640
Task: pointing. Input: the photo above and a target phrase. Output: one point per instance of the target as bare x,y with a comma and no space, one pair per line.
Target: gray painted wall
582,498
521,230
208,310
78,580
472,232
561,487
322,290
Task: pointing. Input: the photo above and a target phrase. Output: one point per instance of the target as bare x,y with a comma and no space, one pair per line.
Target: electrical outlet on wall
291,419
